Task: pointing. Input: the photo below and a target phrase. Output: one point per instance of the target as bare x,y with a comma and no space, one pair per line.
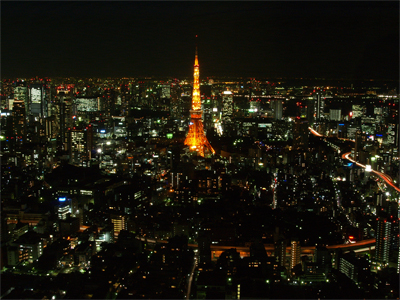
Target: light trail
366,243
385,177
191,277
314,132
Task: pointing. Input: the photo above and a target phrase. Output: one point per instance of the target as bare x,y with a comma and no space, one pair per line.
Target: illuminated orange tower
195,139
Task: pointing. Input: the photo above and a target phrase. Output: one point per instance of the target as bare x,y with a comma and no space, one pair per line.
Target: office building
20,95
19,120
120,223
38,101
87,104
277,109
319,105
280,252
300,134
335,114
382,247
63,208
227,112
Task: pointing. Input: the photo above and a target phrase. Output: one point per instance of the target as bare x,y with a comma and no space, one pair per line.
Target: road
191,277
366,243
384,176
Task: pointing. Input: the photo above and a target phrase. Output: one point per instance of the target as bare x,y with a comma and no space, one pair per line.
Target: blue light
349,164
341,124
378,134
62,199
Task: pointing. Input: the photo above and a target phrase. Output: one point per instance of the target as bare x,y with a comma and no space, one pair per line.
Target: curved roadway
384,176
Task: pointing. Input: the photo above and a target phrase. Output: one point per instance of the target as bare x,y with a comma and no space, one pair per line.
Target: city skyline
357,40
266,168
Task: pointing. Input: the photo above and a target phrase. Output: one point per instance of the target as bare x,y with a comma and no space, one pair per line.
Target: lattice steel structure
195,139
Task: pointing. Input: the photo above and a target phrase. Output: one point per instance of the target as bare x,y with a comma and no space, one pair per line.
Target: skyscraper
277,109
295,251
195,139
382,241
227,111
38,100
20,95
335,114
300,134
280,252
319,104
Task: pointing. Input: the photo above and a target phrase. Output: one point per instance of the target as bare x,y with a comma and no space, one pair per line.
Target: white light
368,168
99,150
108,143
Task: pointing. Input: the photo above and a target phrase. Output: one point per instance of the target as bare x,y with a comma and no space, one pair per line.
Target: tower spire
196,57
195,139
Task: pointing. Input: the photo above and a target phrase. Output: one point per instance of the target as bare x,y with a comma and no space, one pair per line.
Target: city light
199,187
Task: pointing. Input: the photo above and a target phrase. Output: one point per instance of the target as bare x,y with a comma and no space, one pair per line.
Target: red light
351,237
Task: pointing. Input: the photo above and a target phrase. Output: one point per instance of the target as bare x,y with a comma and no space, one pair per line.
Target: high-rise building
310,111
398,262
21,95
78,146
120,223
227,111
63,208
88,104
280,252
322,257
65,119
335,114
300,134
360,139
295,250
38,100
165,91
195,139
277,109
319,104
382,240
19,120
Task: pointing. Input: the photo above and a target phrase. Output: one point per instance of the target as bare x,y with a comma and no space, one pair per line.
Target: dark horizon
355,40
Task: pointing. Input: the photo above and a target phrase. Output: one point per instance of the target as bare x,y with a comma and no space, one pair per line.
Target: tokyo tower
195,138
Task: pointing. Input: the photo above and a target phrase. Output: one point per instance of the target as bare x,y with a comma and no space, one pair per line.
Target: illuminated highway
366,244
314,132
384,176
191,277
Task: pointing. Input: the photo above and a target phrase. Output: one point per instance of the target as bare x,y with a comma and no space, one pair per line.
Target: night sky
261,39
